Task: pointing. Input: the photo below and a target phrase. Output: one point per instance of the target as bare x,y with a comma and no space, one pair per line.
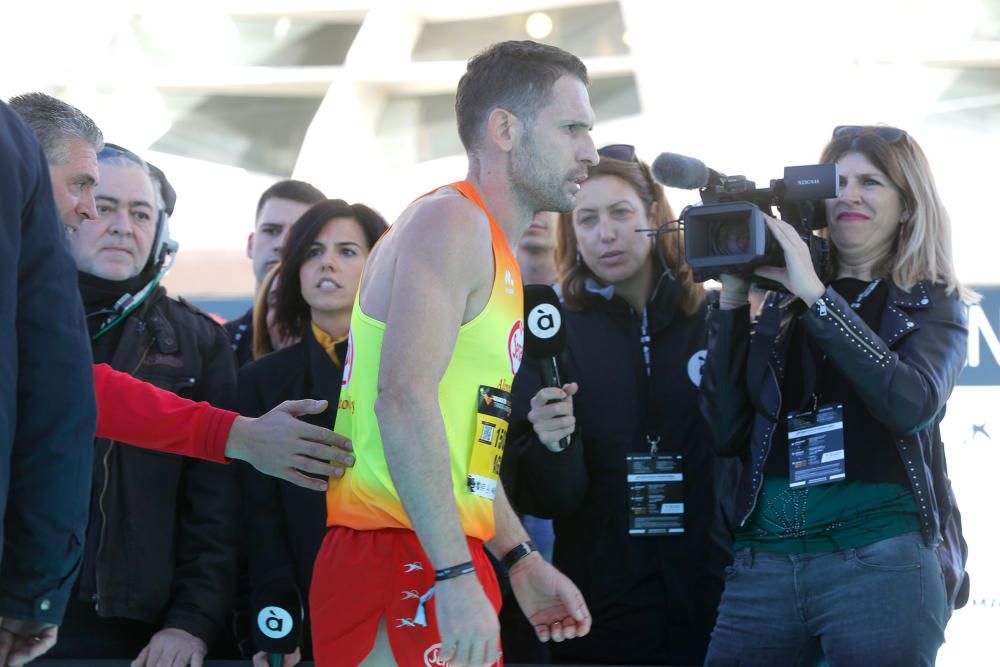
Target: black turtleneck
99,297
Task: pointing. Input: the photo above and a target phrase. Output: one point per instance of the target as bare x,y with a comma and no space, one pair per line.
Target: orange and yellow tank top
474,397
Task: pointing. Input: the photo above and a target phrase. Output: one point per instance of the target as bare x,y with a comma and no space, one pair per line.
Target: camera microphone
544,335
683,172
277,620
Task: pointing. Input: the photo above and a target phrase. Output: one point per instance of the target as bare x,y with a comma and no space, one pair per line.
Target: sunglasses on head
113,150
888,134
623,152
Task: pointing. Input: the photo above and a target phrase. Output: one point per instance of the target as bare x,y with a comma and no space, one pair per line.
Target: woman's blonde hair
923,248
573,272
261,337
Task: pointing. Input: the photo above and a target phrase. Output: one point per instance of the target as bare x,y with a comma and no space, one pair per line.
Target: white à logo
544,320
695,364
274,622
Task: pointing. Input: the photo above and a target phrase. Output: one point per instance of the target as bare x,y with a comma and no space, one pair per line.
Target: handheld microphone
686,173
544,335
278,617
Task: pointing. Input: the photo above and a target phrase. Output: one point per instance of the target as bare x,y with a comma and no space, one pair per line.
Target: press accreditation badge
816,446
492,420
655,494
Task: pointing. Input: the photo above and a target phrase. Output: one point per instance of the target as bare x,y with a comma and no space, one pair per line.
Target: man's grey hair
53,122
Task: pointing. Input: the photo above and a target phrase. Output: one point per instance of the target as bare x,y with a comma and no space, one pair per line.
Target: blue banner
983,363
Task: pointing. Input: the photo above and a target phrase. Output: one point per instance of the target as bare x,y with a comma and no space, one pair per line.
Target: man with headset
158,561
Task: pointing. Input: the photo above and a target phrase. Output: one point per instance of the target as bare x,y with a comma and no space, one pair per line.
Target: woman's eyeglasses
623,152
890,135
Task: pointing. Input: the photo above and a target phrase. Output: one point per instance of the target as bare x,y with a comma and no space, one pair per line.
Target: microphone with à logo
278,616
545,335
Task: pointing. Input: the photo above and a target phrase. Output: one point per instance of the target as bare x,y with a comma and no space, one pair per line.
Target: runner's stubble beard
539,185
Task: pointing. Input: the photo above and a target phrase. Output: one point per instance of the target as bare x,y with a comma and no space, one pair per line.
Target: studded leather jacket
904,372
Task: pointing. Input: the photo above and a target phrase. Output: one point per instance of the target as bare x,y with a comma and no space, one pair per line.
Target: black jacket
904,372
240,332
162,540
284,524
47,411
653,599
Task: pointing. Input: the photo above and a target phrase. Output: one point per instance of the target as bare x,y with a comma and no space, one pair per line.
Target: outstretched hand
280,445
551,602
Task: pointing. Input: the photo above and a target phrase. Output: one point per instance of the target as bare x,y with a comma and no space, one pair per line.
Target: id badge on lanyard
655,493
816,446
492,421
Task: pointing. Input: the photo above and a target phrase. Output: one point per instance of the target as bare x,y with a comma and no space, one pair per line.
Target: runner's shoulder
447,216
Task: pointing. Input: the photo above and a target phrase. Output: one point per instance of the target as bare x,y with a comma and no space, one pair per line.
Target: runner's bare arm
550,601
444,262
510,531
447,263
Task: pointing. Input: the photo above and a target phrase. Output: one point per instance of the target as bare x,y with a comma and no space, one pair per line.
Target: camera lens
730,237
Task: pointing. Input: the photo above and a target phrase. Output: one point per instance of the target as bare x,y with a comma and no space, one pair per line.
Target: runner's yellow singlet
474,397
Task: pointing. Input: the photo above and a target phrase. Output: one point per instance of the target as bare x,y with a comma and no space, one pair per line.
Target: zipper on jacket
644,339
832,312
104,525
104,490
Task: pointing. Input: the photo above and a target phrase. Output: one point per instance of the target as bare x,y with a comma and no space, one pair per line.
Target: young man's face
540,235
550,159
116,245
264,245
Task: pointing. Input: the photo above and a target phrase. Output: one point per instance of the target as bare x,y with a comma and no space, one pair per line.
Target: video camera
727,232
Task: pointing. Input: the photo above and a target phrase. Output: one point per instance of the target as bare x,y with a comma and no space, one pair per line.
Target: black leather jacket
162,541
904,372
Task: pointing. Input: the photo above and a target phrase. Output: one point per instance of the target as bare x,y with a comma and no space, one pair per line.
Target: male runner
436,338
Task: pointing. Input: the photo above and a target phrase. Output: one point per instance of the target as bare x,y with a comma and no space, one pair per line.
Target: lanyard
809,355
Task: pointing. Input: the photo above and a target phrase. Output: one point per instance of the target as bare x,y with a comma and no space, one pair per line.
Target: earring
579,259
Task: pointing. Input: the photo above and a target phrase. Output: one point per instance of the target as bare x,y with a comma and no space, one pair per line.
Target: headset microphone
544,335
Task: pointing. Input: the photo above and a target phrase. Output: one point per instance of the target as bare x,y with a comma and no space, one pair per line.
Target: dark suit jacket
284,523
240,332
47,411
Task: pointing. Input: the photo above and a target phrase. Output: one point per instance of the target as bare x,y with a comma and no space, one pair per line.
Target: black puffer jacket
653,599
904,373
162,540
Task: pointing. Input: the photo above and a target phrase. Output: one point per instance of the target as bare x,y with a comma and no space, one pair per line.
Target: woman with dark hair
321,261
848,539
635,334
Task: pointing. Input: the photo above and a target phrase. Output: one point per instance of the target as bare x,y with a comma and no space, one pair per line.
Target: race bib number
492,420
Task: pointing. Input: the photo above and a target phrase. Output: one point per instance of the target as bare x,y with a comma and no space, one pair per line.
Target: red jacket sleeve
138,413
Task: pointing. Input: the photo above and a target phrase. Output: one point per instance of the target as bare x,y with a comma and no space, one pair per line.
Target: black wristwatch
516,554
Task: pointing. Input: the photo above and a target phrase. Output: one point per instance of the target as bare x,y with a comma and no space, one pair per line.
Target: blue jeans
883,604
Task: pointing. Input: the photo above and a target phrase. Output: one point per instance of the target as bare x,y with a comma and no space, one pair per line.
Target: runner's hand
551,602
470,630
